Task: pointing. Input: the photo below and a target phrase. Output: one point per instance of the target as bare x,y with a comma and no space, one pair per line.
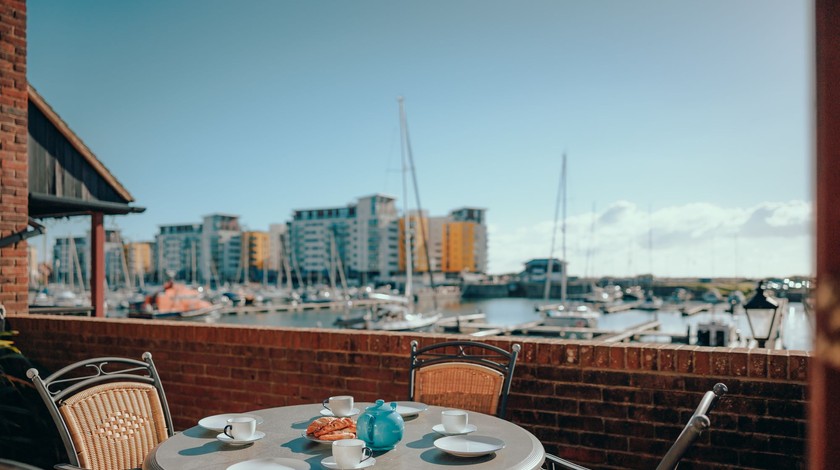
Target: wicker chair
462,374
110,411
697,424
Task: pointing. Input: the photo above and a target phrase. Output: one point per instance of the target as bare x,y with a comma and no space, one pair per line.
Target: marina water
511,311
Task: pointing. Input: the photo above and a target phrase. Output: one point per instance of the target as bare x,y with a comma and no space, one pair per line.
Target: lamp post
761,313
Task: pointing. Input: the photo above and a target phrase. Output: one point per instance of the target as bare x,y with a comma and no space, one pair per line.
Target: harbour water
796,330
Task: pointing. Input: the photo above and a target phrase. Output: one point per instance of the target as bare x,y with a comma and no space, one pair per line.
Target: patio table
284,428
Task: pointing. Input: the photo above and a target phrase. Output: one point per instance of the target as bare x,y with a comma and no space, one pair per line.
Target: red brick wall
14,163
605,405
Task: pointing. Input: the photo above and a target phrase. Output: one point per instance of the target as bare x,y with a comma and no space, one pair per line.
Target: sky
687,126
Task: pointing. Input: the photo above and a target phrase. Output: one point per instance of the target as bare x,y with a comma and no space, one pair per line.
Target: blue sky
687,125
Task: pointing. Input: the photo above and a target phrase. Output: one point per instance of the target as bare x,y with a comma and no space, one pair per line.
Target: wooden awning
65,177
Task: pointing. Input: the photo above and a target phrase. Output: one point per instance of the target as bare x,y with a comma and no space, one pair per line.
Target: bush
28,432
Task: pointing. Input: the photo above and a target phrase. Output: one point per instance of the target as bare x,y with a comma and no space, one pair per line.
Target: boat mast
550,267
563,279
406,218
420,221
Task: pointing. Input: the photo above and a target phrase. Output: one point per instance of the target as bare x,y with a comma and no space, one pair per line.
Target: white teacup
241,428
341,405
349,453
454,421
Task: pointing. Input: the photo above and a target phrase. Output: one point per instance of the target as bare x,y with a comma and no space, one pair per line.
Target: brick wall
14,163
605,405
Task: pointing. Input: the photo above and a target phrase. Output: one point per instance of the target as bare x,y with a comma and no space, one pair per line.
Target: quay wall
607,406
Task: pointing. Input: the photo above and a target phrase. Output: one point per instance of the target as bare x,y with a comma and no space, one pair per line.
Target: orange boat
174,301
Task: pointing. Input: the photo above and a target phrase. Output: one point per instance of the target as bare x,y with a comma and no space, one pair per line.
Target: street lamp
761,313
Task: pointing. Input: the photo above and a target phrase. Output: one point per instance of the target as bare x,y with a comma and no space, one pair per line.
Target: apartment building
177,252
70,261
138,255
220,256
456,242
361,237
464,241
255,257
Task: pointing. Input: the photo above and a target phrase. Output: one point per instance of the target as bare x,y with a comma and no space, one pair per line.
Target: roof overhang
46,206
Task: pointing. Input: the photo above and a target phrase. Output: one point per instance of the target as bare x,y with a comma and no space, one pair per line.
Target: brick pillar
14,163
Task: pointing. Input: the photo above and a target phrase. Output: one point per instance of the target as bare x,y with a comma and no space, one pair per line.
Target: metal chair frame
65,383
489,356
697,424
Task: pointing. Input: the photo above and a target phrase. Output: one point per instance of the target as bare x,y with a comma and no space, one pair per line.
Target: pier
474,325
621,307
301,306
687,311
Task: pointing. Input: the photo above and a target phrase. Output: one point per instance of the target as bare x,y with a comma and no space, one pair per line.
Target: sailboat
402,316
565,313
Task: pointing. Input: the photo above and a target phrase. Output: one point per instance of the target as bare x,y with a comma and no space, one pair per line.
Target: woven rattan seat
462,374
109,419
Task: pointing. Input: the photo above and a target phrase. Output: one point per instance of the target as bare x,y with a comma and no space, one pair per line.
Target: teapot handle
368,426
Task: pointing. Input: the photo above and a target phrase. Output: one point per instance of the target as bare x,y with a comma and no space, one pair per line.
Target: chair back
462,374
110,411
697,424
553,462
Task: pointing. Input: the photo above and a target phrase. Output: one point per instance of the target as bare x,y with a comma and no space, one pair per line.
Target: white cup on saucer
341,405
350,453
454,421
241,428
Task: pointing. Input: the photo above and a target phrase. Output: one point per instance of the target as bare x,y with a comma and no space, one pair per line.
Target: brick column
824,417
14,163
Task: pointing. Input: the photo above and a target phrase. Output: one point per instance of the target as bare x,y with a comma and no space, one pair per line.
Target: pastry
332,429
337,435
316,425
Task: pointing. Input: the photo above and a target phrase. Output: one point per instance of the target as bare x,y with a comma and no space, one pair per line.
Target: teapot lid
380,406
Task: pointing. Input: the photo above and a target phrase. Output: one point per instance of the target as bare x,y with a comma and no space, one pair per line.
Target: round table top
284,428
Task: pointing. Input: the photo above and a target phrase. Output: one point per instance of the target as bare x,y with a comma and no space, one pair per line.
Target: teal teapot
380,426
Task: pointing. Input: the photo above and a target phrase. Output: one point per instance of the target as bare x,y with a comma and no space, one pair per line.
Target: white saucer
469,446
240,442
218,422
411,408
315,439
438,428
329,462
270,464
327,412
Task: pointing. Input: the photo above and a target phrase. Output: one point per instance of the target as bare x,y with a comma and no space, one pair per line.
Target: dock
301,306
621,307
609,336
475,325
691,310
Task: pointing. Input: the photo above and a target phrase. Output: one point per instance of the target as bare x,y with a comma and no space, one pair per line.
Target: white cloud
698,239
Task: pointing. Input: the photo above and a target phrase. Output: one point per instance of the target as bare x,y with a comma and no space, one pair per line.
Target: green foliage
27,430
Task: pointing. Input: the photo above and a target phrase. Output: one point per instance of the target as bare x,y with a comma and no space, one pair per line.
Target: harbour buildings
70,260
176,251
363,240
361,236
255,253
457,242
139,258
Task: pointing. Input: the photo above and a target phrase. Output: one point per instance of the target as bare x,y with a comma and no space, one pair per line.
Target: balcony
603,405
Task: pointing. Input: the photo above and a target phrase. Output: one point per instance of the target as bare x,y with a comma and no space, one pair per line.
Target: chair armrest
67,466
552,462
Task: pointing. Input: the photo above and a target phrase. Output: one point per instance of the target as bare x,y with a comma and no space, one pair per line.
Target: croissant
331,429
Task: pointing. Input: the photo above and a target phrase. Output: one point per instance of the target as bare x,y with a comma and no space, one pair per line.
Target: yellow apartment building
138,255
254,250
457,242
